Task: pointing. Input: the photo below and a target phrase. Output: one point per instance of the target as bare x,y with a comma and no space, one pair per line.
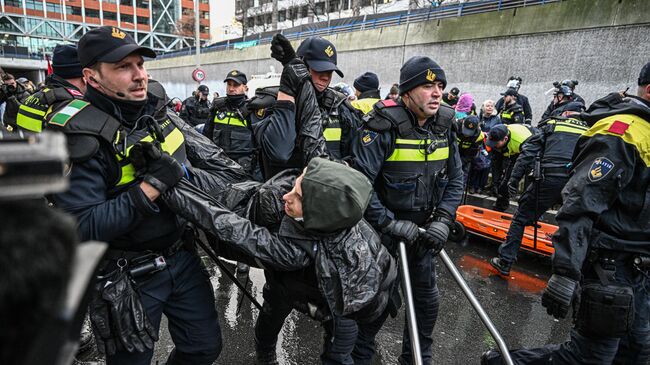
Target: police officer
512,112
514,82
506,142
451,98
470,141
366,89
230,123
196,109
602,247
339,119
551,150
410,151
562,96
12,94
291,134
64,84
114,196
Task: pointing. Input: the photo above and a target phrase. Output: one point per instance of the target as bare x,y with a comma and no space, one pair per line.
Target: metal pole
477,306
197,35
410,309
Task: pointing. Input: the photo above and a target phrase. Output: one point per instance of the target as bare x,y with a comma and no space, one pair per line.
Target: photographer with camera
13,94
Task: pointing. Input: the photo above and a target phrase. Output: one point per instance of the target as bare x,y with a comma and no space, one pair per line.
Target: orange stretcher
494,225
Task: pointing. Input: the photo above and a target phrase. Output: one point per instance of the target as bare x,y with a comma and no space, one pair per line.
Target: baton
477,306
410,309
230,275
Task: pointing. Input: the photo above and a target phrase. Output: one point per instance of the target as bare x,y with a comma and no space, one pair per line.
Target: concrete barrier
601,43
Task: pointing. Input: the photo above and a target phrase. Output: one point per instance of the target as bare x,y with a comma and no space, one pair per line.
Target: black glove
281,49
558,295
160,169
513,187
402,230
435,236
118,318
294,74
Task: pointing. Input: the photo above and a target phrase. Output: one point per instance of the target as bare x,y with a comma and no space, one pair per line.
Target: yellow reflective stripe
231,121
32,110
332,134
637,134
413,155
480,137
412,141
28,123
570,129
172,142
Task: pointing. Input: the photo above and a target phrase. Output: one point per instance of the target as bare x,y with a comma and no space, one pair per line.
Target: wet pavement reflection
513,304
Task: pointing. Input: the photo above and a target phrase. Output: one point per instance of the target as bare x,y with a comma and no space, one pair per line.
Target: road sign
198,75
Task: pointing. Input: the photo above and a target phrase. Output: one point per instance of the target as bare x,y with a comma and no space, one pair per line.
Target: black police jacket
554,144
104,193
354,272
289,135
414,169
229,127
513,114
340,122
521,100
195,111
33,111
607,199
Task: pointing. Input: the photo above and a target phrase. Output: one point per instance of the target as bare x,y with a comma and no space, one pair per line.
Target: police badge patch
600,168
367,137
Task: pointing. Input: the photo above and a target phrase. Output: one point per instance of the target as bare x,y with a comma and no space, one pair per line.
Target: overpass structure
601,43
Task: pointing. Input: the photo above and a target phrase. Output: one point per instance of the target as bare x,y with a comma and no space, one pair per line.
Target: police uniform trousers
183,292
549,194
632,349
426,300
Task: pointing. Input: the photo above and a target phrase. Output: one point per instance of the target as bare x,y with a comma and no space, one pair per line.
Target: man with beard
114,198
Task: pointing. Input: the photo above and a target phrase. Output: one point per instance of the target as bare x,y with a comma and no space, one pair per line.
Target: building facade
34,27
257,16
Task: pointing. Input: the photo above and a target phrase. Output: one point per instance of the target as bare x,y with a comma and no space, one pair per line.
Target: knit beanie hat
367,81
419,70
65,62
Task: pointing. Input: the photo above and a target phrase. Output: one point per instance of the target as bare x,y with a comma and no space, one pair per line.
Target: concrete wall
601,43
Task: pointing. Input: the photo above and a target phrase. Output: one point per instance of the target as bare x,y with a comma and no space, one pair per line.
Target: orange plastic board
494,225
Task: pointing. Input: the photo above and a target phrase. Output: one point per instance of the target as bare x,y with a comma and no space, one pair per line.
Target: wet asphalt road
459,336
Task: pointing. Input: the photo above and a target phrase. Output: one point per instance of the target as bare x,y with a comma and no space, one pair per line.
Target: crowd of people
318,186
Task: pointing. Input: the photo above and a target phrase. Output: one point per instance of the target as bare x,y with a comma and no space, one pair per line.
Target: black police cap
236,76
204,89
108,44
496,134
319,54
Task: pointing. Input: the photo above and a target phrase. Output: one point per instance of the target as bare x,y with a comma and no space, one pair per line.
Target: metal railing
363,23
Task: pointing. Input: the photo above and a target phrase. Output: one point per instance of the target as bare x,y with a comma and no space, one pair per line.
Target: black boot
502,266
